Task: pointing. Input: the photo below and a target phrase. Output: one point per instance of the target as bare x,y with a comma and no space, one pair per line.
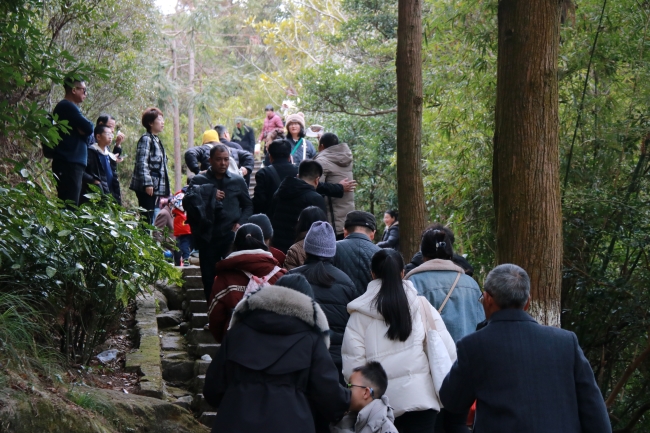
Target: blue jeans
184,243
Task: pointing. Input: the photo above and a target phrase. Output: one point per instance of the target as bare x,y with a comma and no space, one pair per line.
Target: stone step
199,320
199,306
190,271
199,336
193,282
177,370
199,383
207,418
195,294
207,349
200,405
172,343
201,367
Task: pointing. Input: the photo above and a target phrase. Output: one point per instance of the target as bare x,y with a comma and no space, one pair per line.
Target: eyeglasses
84,89
372,391
480,298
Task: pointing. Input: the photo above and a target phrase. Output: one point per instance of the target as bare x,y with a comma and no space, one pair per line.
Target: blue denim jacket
433,280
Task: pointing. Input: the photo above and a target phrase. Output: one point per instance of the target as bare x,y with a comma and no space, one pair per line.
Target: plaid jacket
150,166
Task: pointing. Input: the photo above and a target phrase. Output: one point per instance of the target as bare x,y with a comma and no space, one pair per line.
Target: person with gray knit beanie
333,289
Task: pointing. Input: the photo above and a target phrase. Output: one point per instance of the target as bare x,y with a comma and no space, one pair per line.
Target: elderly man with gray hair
524,377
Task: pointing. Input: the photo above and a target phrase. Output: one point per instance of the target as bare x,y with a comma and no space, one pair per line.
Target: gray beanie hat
263,222
320,240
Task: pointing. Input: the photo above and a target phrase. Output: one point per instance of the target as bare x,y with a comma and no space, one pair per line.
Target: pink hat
298,117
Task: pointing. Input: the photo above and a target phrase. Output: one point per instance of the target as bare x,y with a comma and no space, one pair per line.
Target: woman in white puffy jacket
385,325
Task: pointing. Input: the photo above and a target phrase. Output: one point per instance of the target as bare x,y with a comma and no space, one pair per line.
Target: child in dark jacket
369,409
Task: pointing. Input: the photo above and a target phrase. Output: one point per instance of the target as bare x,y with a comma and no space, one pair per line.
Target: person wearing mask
264,223
268,179
150,178
333,290
249,265
453,294
336,160
524,377
390,239
273,372
386,326
70,156
233,207
461,261
244,136
100,170
296,255
354,253
294,194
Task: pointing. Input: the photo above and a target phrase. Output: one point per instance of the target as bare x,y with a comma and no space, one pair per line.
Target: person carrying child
369,408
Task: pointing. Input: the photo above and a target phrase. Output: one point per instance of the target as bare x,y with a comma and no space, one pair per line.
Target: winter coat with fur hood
230,284
433,280
337,165
272,364
410,386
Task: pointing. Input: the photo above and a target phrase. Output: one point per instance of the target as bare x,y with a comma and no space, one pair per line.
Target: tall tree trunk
190,109
525,176
178,163
410,189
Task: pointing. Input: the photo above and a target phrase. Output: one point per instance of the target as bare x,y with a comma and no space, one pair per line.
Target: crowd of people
322,328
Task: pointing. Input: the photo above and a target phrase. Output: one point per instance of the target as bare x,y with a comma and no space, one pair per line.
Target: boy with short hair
369,409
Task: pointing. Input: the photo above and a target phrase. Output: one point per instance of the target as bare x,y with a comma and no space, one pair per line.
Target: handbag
435,349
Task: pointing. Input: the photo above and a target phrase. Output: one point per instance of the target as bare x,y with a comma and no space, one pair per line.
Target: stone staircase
258,165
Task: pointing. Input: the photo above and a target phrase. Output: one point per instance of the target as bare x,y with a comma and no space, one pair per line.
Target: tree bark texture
410,188
525,177
178,163
190,108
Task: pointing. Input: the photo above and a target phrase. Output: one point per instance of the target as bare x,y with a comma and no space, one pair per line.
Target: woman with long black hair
386,326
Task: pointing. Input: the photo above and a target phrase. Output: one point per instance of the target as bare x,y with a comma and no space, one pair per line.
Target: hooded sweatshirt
230,284
376,417
337,165
292,197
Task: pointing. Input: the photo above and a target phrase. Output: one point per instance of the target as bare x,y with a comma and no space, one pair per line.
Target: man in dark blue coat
524,376
354,253
71,154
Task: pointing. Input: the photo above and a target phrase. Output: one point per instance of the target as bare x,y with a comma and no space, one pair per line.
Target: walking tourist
386,326
524,377
296,255
244,135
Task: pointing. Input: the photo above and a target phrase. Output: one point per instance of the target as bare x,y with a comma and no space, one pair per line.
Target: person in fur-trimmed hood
248,267
273,363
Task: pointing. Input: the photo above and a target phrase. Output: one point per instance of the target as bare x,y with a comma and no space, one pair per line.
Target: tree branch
635,419
626,375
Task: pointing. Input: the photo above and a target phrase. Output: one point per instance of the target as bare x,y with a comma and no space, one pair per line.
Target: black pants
69,178
147,202
421,421
210,253
449,422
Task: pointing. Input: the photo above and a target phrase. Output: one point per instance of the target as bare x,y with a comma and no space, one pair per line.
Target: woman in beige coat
336,160
385,325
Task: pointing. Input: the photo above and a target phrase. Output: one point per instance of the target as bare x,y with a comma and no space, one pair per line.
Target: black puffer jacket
272,364
391,237
353,257
334,301
292,197
197,158
245,137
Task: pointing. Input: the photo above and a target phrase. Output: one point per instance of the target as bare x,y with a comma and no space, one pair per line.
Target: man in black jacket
244,159
244,135
268,179
294,195
235,208
524,377
354,253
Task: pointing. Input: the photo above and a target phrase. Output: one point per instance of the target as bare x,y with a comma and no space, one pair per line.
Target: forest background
213,61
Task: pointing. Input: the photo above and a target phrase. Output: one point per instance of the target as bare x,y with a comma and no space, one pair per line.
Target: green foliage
86,265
